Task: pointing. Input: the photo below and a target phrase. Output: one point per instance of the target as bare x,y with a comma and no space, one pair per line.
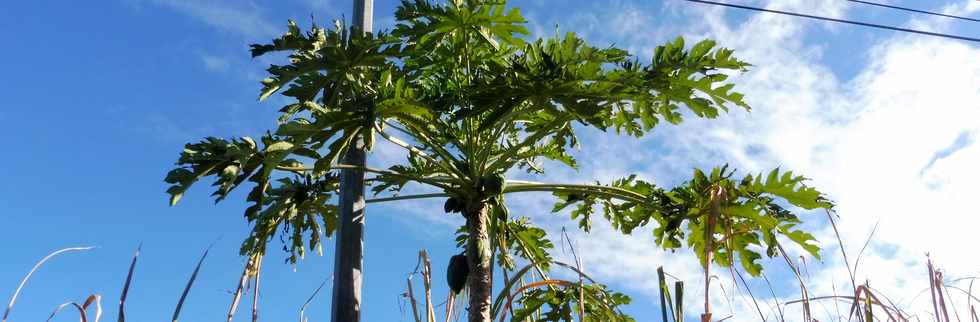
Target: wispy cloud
215,63
244,18
965,139
322,6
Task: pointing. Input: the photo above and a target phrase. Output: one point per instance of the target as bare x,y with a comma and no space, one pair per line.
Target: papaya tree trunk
478,254
709,253
709,247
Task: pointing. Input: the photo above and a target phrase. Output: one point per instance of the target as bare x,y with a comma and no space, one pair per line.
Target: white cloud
215,63
865,141
241,17
321,6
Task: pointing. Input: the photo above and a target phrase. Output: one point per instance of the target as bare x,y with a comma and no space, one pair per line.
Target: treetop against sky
870,116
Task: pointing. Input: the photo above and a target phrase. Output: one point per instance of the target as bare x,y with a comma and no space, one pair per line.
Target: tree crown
462,90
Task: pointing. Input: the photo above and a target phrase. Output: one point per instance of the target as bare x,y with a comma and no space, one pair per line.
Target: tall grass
91,308
190,283
13,298
860,302
129,281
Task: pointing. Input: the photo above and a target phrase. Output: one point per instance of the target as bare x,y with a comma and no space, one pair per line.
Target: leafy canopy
470,98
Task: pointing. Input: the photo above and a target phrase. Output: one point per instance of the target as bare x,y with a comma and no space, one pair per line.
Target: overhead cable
915,10
866,24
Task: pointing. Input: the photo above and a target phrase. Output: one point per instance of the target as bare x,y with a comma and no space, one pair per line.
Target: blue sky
97,101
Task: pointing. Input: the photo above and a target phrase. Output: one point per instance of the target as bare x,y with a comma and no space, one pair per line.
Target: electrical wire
866,24
914,10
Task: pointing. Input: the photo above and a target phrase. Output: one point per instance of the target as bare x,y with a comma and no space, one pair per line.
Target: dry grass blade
81,311
427,281
932,286
804,291
97,299
857,262
969,301
302,310
423,268
13,298
190,283
869,299
751,296
411,299
129,280
238,291
450,301
891,305
950,296
888,309
938,281
871,235
780,314
856,304
833,288
255,290
843,298
843,252
578,265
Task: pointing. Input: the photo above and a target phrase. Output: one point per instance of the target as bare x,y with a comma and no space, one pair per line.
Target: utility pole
349,255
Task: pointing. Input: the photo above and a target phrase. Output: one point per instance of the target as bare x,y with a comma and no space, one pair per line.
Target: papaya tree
499,103
461,88
340,70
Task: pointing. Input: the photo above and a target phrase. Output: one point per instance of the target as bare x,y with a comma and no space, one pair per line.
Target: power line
915,10
866,24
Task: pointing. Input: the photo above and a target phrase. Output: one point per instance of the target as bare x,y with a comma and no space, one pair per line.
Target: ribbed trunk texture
480,278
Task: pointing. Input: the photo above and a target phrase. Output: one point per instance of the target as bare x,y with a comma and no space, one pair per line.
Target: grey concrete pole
349,255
